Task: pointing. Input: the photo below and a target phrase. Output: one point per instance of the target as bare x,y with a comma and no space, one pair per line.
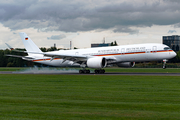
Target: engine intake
97,62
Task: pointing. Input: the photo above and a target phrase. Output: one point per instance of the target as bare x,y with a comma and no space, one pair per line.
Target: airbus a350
97,58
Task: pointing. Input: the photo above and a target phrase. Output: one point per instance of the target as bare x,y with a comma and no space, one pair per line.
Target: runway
76,73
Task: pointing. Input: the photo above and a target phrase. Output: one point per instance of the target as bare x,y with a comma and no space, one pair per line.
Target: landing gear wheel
164,66
84,71
81,71
101,71
87,71
96,71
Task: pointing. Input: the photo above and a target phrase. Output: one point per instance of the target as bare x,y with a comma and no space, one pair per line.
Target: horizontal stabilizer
23,57
11,48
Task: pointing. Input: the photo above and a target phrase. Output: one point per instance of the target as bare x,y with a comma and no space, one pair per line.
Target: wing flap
62,56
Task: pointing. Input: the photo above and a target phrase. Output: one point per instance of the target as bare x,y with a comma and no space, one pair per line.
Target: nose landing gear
164,63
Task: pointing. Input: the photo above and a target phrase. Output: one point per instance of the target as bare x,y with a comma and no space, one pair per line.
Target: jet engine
126,64
96,62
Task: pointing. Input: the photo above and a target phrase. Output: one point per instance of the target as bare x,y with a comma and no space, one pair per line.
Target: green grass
144,70
89,97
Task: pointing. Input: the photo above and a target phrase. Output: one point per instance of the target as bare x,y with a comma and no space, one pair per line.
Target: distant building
103,44
100,45
172,41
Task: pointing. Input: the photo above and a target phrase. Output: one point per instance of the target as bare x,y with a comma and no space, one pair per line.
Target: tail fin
29,44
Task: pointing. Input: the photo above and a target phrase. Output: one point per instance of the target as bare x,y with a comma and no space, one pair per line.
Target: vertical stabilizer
29,44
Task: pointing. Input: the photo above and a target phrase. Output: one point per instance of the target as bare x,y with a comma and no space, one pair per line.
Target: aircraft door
154,49
122,51
44,59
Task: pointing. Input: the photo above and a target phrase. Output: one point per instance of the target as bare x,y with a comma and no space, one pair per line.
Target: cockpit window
167,48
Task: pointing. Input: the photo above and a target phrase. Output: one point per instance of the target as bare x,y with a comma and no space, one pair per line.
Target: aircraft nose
173,54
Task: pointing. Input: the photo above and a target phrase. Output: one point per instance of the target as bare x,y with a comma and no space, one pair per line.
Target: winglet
11,48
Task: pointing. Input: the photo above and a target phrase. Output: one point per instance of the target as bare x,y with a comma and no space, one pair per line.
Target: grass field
144,70
89,97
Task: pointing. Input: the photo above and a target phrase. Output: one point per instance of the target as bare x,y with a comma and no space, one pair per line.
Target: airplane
97,58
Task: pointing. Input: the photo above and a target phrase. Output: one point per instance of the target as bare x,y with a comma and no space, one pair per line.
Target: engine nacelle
126,64
97,62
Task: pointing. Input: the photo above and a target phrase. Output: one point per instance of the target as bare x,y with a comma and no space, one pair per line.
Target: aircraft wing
75,58
63,55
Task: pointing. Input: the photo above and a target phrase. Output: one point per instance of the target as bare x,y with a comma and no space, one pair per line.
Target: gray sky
87,21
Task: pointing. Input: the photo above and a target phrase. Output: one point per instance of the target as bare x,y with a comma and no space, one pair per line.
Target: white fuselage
124,53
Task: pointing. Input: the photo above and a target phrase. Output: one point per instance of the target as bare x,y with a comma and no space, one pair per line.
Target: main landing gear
84,71
97,71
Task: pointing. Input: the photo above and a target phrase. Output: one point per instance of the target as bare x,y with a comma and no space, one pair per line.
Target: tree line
6,61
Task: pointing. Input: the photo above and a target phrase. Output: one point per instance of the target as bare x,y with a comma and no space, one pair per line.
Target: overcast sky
87,21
